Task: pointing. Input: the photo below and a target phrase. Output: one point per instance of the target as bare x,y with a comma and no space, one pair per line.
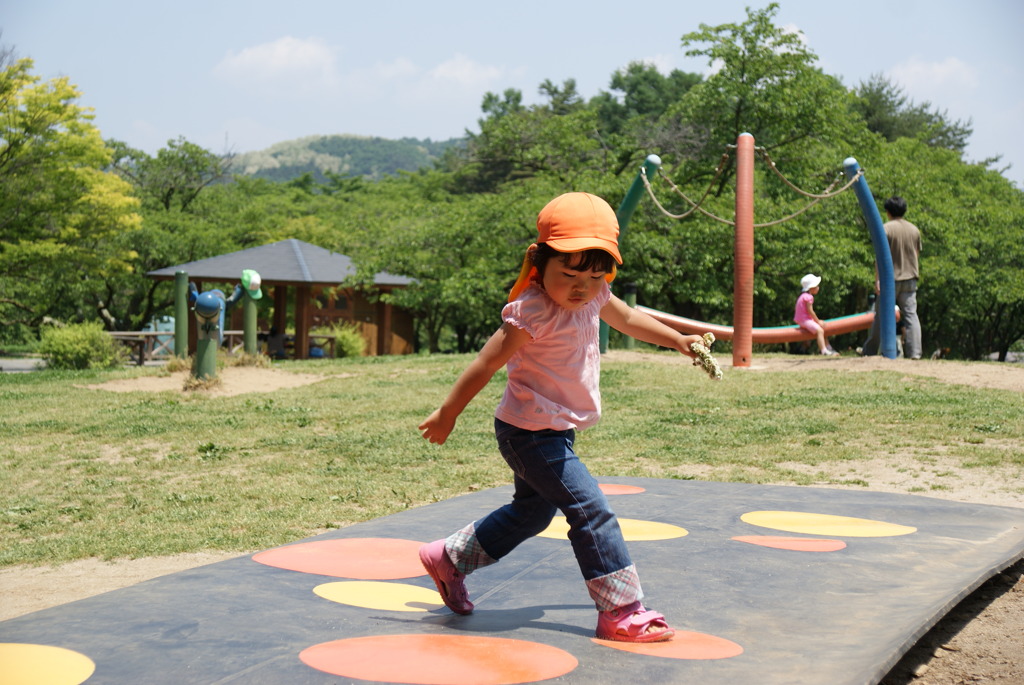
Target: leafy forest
83,218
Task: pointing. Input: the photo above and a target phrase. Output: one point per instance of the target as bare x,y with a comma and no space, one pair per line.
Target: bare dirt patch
232,380
1001,376
27,589
979,641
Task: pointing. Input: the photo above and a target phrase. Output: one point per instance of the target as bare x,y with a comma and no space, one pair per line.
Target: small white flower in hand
704,358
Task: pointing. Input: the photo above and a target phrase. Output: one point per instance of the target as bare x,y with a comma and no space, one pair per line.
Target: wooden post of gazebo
280,308
303,319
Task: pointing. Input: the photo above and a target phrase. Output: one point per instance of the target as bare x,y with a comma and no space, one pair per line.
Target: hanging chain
696,206
824,196
817,198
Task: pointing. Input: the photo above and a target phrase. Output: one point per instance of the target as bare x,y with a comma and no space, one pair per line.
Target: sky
240,75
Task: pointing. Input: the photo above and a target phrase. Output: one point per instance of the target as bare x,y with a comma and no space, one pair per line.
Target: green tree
464,252
632,119
178,226
640,91
173,178
564,99
888,112
767,85
971,291
558,138
59,209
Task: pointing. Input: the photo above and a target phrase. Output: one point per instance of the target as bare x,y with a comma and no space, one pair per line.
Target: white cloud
919,76
662,62
149,136
401,68
294,64
402,78
463,72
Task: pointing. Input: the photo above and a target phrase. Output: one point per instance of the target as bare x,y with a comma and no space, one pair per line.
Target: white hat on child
809,281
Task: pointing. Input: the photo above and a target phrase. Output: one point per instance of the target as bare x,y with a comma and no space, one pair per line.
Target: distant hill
347,155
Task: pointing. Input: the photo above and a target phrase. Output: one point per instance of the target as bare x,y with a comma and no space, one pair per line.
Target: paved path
11,365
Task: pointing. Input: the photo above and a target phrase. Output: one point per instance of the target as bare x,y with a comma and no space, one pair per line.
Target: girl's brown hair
594,259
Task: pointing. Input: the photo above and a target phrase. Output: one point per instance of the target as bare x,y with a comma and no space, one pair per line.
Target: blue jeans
549,477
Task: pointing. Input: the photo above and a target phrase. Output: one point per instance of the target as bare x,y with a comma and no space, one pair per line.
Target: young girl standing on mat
549,342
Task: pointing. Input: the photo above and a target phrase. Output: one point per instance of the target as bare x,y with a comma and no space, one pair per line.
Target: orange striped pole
743,266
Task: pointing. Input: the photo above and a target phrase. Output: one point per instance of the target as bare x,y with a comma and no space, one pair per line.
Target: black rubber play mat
763,584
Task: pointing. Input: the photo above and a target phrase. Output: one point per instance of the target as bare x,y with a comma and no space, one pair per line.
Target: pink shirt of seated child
802,314
554,380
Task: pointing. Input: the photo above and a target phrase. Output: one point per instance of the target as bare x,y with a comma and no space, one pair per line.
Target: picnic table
145,346
136,344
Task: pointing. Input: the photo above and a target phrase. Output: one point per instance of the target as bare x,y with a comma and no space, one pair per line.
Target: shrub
349,341
348,338
81,346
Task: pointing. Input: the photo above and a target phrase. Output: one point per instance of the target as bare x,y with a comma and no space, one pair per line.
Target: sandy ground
980,641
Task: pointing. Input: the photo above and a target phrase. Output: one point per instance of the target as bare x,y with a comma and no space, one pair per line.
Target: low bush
348,339
81,346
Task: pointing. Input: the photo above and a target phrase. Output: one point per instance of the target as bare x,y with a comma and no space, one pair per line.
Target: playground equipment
210,307
742,333
623,215
769,335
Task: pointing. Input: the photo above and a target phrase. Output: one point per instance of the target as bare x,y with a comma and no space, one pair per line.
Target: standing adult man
905,247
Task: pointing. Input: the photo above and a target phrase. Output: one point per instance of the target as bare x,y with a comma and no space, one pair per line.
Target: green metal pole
180,314
209,310
249,324
624,214
629,297
205,365
635,192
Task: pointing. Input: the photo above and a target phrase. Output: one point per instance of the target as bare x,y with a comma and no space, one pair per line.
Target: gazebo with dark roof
314,272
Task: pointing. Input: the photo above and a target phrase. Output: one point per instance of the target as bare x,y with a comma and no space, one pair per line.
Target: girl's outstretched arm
495,353
641,326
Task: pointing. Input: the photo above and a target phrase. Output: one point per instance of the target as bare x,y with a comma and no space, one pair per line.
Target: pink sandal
450,583
631,623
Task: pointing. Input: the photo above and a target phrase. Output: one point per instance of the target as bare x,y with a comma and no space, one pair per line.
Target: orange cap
573,222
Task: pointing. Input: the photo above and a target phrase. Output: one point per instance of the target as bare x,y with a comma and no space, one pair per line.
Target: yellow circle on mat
25,664
370,594
633,530
825,524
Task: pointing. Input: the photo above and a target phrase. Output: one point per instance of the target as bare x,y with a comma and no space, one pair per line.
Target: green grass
93,473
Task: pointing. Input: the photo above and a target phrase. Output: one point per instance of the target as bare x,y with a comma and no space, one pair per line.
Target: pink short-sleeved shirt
554,380
800,314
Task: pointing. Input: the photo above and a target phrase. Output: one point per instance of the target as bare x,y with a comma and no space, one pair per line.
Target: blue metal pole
623,214
885,307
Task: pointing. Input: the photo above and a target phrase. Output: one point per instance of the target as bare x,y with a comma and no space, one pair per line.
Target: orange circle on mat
439,659
359,558
613,489
684,645
794,544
